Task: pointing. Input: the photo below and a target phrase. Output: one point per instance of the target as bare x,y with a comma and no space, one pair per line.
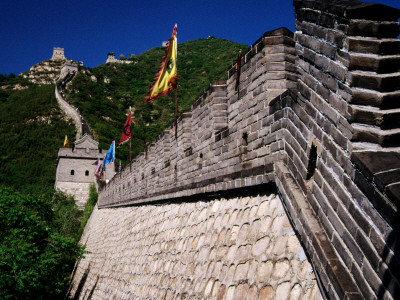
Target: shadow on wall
388,279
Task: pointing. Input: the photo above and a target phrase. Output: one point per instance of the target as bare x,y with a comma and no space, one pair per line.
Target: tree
121,57
35,259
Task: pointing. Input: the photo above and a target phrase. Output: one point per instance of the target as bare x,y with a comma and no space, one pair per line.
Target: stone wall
80,191
224,138
70,111
316,115
237,248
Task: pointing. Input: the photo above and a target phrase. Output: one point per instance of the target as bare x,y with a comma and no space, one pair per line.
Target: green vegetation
36,251
32,129
103,94
39,227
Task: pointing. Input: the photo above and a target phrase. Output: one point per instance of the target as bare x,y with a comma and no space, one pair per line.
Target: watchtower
111,57
75,168
58,53
68,67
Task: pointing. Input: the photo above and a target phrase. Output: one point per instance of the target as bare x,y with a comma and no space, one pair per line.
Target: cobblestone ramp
240,248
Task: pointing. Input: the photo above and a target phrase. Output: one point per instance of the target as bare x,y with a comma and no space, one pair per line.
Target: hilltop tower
75,169
58,53
111,57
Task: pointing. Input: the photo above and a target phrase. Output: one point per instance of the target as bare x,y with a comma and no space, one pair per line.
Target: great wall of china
283,186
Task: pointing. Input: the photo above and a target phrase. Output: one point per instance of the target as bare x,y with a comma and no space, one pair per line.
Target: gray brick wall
316,115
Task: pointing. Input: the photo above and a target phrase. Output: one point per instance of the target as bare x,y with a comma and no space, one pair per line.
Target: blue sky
89,29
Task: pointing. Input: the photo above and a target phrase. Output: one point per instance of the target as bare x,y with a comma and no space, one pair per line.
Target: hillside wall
70,111
316,114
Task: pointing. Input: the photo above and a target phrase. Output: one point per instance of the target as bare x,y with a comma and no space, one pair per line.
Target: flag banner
126,134
96,163
166,79
110,156
98,169
65,141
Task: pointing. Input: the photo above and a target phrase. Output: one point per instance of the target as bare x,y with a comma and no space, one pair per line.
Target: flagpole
130,139
176,111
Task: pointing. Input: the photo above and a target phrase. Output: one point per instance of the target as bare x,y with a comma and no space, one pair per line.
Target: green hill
31,131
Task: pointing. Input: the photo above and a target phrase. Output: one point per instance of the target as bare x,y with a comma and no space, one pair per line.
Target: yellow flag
65,141
166,79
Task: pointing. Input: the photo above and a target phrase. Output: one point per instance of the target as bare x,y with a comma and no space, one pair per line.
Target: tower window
86,173
72,172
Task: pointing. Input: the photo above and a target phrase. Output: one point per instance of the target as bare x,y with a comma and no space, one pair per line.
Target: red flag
126,134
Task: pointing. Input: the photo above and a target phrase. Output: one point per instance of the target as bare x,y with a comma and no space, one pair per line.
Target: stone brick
264,271
241,291
384,64
241,271
283,290
373,29
368,250
252,293
374,46
260,246
230,294
221,292
381,83
266,293
280,270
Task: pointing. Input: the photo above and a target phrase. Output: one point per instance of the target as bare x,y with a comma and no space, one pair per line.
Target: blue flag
110,156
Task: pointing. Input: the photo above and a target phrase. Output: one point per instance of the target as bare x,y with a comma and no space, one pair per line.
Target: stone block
382,64
266,293
386,119
373,29
377,82
276,40
373,11
371,98
374,46
327,20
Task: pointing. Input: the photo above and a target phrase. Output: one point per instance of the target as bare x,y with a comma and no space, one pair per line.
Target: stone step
374,63
372,98
375,135
374,46
384,119
377,82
